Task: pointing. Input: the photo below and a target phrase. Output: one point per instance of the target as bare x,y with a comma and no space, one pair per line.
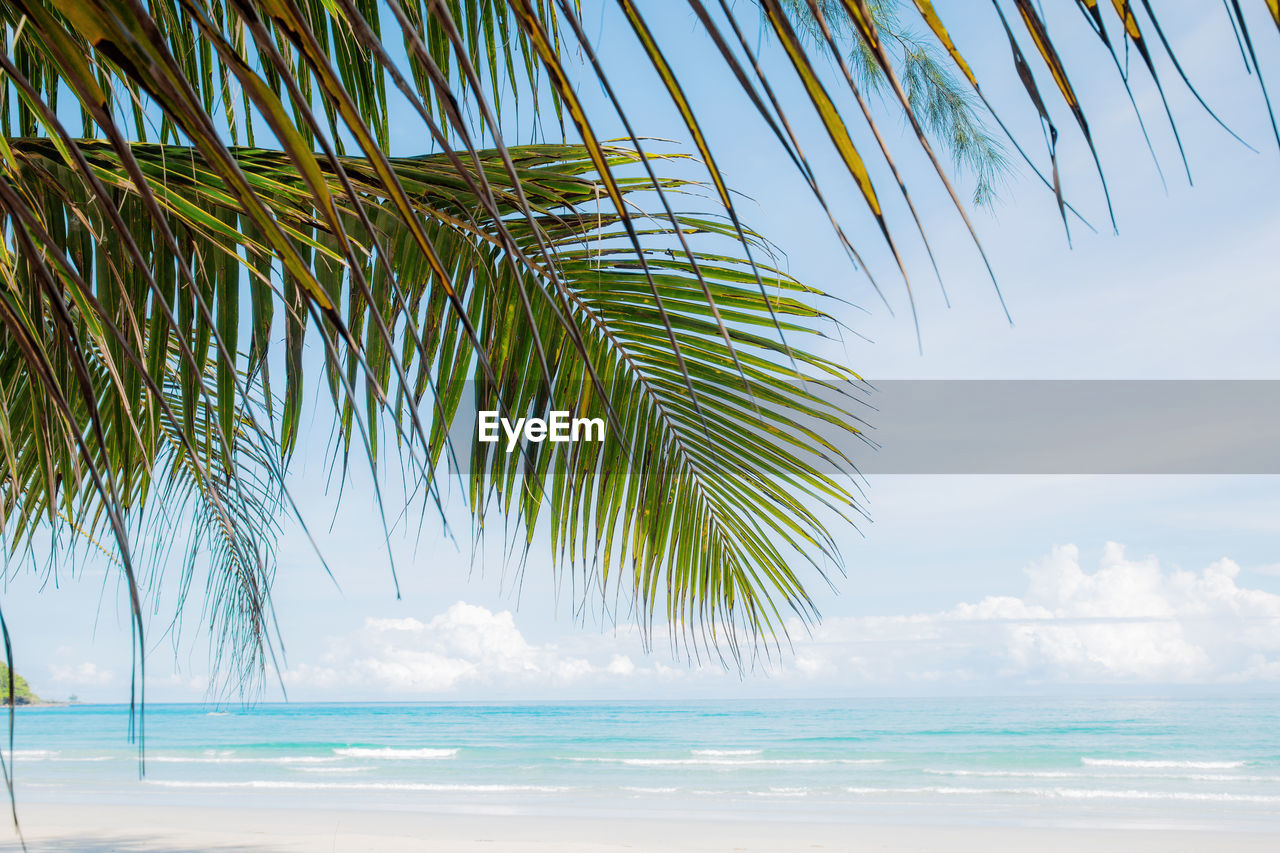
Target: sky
960,584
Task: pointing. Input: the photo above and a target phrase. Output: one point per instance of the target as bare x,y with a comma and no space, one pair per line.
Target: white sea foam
1189,765
1224,777
56,755
933,789
272,784
227,756
1080,794
330,768
394,754
721,752
721,762
641,790
1019,774
1078,774
244,759
1194,796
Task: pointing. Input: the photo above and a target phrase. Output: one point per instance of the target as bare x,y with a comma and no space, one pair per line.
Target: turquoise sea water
1107,762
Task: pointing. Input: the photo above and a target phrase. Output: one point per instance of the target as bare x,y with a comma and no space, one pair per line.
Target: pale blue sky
957,586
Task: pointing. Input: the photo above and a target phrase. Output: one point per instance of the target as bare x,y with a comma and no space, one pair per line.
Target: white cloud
467,645
1126,622
621,665
195,684
1130,621
87,674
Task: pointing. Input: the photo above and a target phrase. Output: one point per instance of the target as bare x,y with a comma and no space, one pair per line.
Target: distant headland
22,694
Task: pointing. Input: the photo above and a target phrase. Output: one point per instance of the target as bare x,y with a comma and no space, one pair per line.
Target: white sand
103,829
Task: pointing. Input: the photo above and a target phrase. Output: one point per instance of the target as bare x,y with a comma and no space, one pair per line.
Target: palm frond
669,477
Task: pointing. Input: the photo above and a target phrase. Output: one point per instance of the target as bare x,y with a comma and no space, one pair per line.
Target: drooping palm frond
188,500
707,516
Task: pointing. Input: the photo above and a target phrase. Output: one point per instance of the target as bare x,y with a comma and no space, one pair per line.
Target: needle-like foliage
941,99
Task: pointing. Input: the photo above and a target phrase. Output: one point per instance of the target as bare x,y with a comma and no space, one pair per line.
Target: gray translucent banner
1074,427
1038,427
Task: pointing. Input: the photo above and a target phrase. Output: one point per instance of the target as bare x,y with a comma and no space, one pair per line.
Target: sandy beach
99,829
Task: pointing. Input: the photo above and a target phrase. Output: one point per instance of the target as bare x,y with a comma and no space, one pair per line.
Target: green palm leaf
593,309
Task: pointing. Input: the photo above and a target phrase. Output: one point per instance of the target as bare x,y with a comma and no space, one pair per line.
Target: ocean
1057,762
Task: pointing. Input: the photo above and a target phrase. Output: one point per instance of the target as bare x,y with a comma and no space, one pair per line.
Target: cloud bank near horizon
1130,621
